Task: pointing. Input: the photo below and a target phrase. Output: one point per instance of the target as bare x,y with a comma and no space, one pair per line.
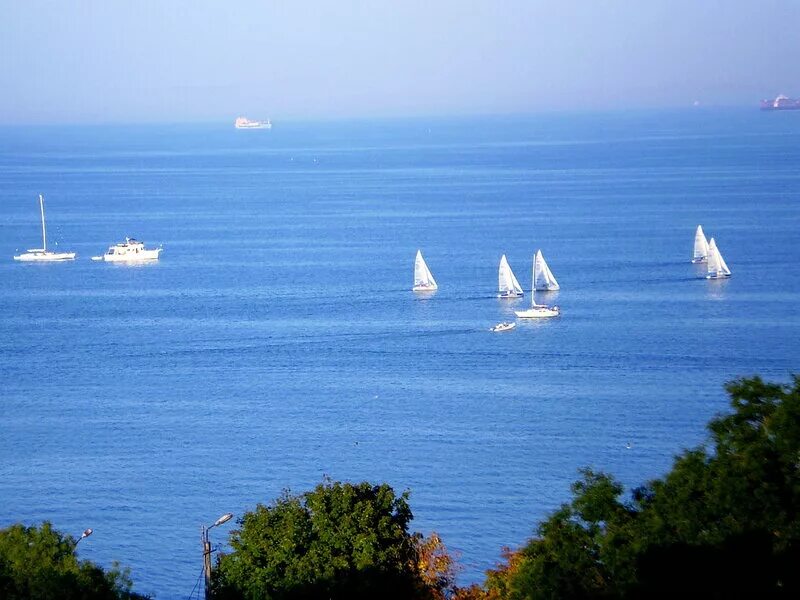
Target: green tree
723,523
340,540
39,563
726,520
578,550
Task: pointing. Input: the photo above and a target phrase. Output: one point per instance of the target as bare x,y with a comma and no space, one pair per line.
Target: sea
277,342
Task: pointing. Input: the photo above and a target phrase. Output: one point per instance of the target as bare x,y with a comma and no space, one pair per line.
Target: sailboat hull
700,259
718,276
424,288
45,256
538,312
510,295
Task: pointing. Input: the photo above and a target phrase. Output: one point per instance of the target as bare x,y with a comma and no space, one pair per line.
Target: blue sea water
277,341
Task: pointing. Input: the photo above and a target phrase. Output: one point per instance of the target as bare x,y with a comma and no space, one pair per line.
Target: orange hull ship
781,103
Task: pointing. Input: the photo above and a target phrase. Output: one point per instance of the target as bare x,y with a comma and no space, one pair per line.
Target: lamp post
207,550
86,533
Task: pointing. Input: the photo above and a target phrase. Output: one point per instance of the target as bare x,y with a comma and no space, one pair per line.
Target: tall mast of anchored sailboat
44,233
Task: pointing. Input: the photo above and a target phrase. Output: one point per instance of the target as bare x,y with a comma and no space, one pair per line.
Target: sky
82,61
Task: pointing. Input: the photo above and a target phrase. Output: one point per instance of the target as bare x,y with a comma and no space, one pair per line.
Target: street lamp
207,550
86,533
223,519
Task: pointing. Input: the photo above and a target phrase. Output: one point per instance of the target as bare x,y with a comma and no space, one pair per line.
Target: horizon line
389,117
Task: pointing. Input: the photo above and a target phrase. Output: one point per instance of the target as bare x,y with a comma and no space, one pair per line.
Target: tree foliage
340,540
723,523
436,567
39,563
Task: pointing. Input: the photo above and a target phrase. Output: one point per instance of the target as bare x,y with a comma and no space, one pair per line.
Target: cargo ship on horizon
244,123
781,103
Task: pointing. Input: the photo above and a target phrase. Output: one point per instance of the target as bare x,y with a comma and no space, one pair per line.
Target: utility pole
206,560
207,550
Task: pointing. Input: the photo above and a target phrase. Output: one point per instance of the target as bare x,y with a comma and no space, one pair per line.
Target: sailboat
42,254
700,246
537,311
508,286
717,269
543,279
423,279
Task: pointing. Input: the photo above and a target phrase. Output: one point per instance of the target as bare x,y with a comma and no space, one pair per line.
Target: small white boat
42,254
717,269
129,251
505,326
423,279
508,286
700,254
543,279
537,311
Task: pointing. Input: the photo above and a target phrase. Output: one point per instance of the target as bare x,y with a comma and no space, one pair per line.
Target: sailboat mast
44,232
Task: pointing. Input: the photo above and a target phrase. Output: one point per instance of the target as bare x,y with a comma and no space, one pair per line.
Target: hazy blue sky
162,60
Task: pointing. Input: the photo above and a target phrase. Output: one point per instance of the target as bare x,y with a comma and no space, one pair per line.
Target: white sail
543,279
533,288
508,286
700,246
44,229
423,279
716,264
712,258
723,267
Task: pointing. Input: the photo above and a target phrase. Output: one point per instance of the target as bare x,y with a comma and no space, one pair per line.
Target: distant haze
146,60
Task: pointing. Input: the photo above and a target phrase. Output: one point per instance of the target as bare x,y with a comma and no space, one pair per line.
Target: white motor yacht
130,250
